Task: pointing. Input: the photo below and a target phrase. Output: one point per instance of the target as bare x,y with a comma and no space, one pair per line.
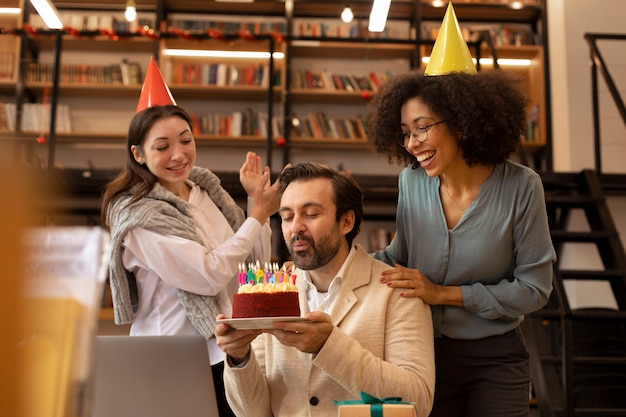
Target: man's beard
317,255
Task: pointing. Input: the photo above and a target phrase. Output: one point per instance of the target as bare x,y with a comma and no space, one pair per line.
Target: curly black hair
487,110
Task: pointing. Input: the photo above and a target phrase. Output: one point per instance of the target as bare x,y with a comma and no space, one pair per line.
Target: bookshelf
308,35
231,99
517,36
10,48
332,81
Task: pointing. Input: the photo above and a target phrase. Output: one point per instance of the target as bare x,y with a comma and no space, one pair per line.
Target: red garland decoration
111,34
366,95
29,29
280,141
174,31
148,33
179,33
215,34
245,34
278,37
71,31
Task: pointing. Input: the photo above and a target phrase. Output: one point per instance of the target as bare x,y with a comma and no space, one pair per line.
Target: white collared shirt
323,301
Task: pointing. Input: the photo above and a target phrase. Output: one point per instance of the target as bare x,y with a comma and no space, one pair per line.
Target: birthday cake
264,294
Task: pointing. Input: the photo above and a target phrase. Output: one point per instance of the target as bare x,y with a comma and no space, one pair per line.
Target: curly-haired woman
472,236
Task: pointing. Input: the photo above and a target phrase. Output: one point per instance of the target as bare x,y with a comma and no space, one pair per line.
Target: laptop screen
152,376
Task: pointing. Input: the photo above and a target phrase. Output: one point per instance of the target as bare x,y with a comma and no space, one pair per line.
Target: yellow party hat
450,52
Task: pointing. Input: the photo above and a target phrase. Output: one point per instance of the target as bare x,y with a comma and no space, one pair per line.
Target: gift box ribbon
376,404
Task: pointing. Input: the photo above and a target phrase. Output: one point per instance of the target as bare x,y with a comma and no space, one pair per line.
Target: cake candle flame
268,274
241,276
259,274
251,277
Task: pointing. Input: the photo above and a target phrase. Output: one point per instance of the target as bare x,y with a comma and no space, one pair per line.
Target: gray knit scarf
163,212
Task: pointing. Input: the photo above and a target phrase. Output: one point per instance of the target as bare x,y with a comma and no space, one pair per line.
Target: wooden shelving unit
101,112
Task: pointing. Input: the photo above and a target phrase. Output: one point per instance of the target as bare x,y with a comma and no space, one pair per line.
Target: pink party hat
154,91
450,52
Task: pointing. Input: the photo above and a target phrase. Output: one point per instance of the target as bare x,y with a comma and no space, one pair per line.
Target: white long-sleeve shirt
163,263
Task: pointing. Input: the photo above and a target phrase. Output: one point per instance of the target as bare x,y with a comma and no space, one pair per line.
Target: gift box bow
376,404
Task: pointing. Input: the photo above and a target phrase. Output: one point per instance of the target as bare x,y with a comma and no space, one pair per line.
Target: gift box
367,410
370,406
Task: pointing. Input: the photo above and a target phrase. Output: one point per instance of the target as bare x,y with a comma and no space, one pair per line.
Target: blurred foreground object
64,273
15,214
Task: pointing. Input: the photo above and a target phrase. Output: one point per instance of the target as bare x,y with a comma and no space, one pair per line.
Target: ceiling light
10,10
131,11
378,15
203,53
346,15
49,14
504,62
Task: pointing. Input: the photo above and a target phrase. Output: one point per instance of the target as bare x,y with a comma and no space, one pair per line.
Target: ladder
578,355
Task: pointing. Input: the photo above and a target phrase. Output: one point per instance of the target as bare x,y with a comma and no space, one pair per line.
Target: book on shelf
4,124
319,126
7,65
97,21
236,124
131,73
219,74
347,83
7,117
225,24
325,29
532,129
36,118
333,28
501,35
245,122
124,73
333,81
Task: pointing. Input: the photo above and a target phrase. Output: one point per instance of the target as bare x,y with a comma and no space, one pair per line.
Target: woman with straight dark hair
177,237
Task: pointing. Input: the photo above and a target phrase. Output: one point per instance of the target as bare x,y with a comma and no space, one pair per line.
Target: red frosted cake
266,300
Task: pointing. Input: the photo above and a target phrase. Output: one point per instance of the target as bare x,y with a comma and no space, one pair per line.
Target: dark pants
220,393
482,378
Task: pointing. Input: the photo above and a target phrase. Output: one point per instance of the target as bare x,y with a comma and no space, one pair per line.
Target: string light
131,11
346,15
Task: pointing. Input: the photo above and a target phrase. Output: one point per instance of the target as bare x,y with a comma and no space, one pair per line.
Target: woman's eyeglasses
418,133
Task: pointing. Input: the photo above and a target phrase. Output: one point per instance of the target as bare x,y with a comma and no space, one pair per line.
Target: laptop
152,376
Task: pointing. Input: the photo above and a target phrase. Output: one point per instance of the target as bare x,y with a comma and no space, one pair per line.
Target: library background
291,81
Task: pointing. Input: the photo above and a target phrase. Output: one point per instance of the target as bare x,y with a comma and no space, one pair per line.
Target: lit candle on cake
259,273
241,276
272,273
281,275
251,276
268,273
